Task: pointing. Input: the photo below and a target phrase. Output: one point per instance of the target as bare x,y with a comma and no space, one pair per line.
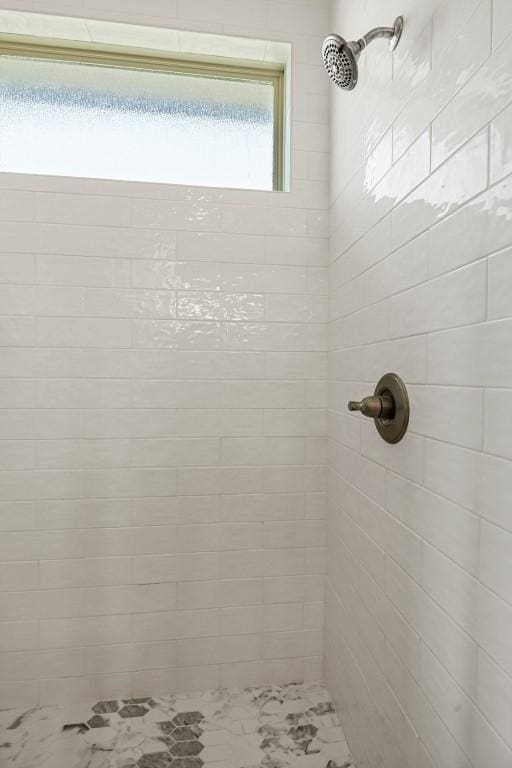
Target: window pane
72,119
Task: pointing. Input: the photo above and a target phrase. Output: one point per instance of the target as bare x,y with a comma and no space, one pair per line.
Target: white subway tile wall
419,535
162,417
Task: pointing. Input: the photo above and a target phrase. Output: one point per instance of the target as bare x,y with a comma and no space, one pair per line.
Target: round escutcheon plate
399,28
393,430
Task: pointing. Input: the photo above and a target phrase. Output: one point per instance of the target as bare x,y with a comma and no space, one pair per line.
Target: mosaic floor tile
293,726
102,707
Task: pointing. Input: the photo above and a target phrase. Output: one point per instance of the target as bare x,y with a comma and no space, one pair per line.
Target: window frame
133,58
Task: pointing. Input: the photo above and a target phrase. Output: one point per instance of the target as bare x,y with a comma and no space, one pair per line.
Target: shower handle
388,407
375,407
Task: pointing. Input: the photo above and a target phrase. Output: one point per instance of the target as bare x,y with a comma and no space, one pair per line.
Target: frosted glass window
79,119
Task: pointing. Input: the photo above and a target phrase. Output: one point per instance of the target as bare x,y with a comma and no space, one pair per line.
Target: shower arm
374,34
392,34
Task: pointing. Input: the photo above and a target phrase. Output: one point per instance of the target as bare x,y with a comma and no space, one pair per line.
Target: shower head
340,61
340,58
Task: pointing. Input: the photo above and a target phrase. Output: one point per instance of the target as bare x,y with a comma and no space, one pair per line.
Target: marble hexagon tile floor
293,726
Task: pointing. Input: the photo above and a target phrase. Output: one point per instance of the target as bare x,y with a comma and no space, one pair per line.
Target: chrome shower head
340,61
340,58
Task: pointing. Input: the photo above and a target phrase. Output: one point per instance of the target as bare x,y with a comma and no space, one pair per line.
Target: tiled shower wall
162,417
419,595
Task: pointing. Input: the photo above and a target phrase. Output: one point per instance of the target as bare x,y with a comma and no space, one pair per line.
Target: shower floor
292,726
